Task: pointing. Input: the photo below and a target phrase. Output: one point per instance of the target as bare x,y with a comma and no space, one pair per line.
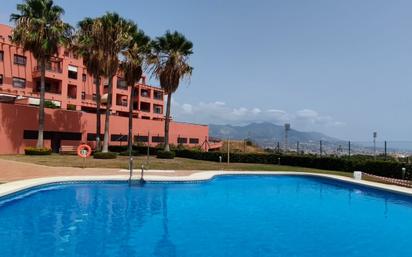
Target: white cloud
220,113
187,108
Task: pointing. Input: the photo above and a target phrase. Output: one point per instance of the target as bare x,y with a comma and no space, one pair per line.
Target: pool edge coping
20,185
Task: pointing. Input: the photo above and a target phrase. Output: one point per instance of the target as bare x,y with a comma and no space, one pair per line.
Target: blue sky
339,67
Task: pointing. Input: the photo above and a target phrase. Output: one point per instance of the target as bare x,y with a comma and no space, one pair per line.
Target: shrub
50,104
117,148
101,155
139,149
37,151
380,168
126,153
165,154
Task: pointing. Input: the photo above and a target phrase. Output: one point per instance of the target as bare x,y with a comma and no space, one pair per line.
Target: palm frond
170,60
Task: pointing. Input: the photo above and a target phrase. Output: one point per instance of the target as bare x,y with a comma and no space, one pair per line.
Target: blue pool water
227,216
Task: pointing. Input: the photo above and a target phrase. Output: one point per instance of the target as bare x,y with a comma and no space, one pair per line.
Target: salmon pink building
70,94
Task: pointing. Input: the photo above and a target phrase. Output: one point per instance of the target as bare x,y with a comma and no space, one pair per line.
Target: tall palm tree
170,65
87,45
114,34
39,28
134,61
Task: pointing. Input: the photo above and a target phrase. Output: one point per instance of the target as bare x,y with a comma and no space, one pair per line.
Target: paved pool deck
16,176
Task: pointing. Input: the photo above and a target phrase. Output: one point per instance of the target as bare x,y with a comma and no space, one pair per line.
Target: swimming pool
227,216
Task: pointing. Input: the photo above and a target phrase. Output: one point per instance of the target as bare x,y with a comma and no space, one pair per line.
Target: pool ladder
141,180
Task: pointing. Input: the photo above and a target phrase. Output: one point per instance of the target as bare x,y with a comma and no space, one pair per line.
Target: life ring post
84,151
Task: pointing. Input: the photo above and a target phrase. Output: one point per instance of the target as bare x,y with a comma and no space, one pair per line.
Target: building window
157,109
1,79
194,140
50,86
72,91
118,138
144,107
30,134
121,100
83,95
84,77
72,72
158,95
141,139
20,60
182,140
19,82
94,97
92,137
1,56
145,93
157,139
72,136
121,83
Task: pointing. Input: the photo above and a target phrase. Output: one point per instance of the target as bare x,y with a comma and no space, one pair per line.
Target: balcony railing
49,68
122,103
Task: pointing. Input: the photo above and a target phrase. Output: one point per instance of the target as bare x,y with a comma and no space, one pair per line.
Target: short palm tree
170,65
87,45
39,28
132,66
114,35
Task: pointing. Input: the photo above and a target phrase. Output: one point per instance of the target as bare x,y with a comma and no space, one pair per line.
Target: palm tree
170,65
40,29
114,34
134,60
86,44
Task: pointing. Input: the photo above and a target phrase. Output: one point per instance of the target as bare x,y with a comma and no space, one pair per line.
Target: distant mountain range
266,134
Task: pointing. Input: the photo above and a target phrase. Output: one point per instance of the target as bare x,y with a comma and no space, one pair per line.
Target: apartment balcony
158,95
122,103
158,109
145,93
52,72
52,86
145,107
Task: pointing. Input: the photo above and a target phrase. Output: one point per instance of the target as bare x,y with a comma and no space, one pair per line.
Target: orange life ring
84,151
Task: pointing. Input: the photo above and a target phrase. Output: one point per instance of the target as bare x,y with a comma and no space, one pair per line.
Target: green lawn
153,163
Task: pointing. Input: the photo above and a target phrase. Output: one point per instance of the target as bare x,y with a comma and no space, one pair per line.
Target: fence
377,149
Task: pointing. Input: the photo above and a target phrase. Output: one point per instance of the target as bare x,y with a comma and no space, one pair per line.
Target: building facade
70,96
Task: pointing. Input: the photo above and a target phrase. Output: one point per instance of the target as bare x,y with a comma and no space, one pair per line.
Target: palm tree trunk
167,122
107,121
98,115
130,135
40,137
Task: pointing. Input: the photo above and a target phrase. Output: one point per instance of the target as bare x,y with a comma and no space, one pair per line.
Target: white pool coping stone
16,186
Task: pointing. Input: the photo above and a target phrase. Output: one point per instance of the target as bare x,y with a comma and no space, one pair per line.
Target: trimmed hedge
138,150
389,168
380,168
37,151
165,154
101,155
